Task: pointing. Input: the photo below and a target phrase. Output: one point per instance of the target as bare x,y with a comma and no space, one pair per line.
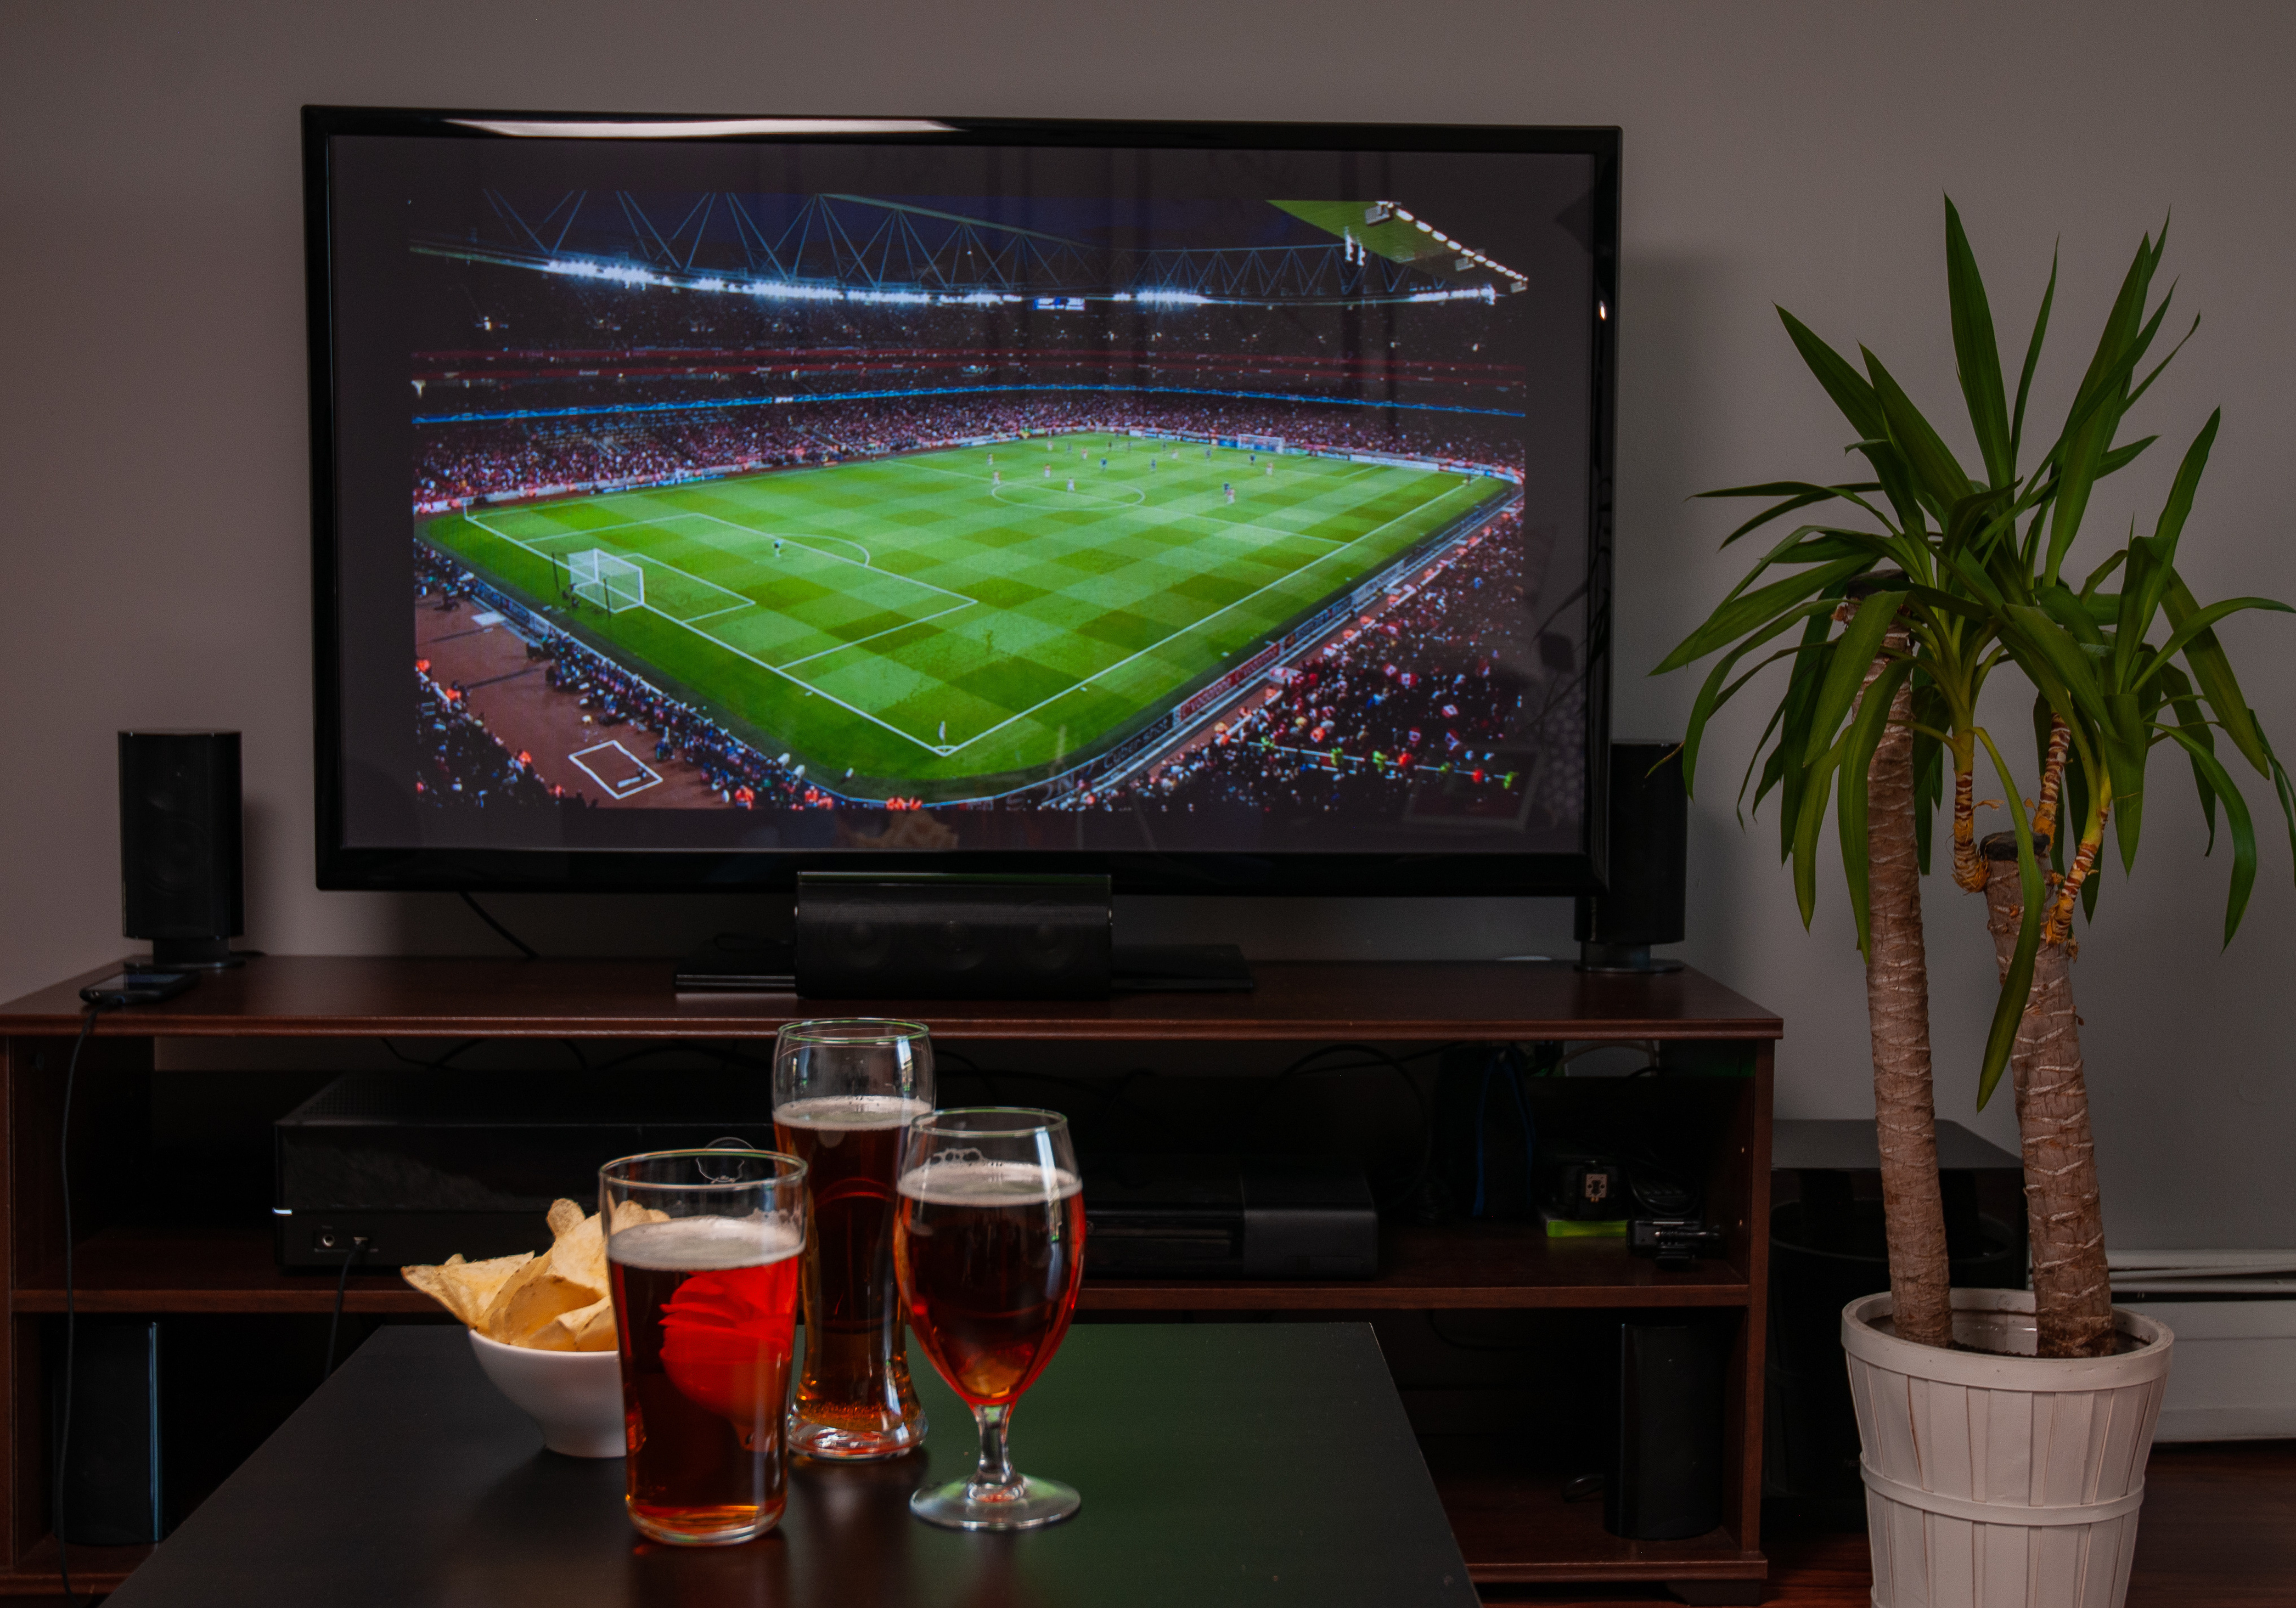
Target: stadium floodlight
1174,298
605,582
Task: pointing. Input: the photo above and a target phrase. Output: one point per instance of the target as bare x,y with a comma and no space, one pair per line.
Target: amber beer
991,1253
708,1311
854,1398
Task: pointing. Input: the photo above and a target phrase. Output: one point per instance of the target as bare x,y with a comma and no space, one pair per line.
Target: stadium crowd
463,762
466,763
1441,684
524,456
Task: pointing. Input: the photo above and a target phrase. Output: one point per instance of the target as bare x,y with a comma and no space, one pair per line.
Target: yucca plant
1895,625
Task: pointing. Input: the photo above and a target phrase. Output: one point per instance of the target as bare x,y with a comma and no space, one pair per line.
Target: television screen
695,502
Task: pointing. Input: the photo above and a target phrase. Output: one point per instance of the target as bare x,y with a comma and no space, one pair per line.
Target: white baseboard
2234,1375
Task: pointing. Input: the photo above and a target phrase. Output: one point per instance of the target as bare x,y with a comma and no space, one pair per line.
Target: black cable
575,1050
342,1284
1376,1058
439,1065
71,1315
504,933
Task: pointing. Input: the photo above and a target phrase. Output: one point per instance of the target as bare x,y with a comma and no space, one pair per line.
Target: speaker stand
189,955
1624,958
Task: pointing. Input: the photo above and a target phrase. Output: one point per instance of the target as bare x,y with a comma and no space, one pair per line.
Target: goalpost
604,581
1271,445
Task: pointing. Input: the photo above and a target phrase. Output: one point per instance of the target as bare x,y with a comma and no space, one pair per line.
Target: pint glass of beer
844,1092
703,1247
989,1243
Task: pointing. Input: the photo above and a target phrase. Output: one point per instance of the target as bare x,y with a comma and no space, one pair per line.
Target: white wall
151,446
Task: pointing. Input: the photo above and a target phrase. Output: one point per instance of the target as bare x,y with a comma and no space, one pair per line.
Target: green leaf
1977,352
2017,986
1714,694
2029,627
1860,644
2033,360
2122,458
2186,708
1848,388
2236,818
1942,478
1808,820
2174,511
1739,615
2212,671
2195,625
1863,737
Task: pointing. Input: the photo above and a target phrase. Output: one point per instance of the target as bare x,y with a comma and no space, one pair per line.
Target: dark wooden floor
2219,1531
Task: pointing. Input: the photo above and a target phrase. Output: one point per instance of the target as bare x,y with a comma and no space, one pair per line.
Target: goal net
606,582
1271,445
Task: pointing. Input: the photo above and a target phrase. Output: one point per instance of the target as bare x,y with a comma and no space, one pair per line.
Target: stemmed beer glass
990,1245
844,1092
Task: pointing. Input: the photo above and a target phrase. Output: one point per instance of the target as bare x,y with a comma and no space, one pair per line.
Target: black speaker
1665,1480
862,936
1647,887
110,1493
179,845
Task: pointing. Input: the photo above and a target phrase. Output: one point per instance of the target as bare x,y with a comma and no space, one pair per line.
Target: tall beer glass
844,1092
703,1247
989,1243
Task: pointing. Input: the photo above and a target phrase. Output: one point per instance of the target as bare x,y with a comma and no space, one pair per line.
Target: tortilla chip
589,1328
466,1289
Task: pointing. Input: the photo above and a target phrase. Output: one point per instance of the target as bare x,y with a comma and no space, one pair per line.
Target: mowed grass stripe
1029,627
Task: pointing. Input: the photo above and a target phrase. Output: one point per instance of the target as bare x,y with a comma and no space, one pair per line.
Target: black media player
1228,1216
428,1163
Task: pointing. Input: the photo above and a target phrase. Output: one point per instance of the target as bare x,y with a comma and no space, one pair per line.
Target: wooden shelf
1505,1505
94,1570
1504,1500
348,997
1479,1266
162,1269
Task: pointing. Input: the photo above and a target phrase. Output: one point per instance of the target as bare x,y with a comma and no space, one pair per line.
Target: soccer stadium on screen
839,502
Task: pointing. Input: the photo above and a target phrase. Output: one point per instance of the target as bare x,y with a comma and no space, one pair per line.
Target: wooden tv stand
1506,1507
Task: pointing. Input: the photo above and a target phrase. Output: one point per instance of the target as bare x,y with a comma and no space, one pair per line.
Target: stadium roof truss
864,248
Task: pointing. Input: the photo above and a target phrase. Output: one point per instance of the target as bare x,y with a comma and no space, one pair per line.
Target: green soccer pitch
942,634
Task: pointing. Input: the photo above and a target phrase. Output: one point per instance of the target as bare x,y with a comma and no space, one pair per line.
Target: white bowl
574,1396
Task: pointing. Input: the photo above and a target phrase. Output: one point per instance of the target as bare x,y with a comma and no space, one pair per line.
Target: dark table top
1219,1464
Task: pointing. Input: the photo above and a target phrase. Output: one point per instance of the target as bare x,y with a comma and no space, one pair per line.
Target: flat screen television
1220,507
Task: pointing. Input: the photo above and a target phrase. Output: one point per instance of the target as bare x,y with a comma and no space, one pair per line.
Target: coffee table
1219,1463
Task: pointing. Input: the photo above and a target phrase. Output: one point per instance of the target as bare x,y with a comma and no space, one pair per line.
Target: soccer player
1151,462
944,731
1271,468
1072,482
1048,471
995,477
1104,462
777,547
1231,495
1208,454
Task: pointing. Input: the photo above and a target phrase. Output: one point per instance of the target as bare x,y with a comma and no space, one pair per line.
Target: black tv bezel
345,867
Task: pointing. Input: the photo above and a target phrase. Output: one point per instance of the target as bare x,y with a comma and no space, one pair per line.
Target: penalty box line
800,681
1203,620
739,603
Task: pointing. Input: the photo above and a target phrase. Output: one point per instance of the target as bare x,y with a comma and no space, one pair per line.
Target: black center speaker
179,846
1646,890
862,936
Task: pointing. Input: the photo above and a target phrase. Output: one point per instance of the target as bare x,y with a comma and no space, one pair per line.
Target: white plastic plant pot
1995,1478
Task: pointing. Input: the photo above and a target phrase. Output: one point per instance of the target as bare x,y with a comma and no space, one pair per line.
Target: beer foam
978,1183
704,1245
849,1114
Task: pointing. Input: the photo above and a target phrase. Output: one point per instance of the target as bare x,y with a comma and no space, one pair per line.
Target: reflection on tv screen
1170,500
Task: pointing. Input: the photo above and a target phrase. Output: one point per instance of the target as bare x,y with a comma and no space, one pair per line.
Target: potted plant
1893,620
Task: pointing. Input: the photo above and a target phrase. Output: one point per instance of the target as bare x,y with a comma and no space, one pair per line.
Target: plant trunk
2072,1290
1898,1006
